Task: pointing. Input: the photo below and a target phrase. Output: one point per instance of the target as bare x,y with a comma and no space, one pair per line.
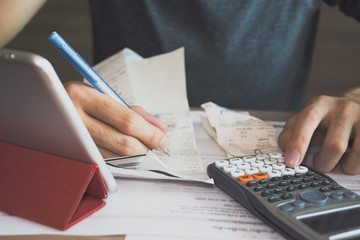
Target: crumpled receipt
238,133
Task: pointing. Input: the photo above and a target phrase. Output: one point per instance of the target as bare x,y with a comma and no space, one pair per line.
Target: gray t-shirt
252,54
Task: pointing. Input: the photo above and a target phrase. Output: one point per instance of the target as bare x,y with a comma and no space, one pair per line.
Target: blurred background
335,68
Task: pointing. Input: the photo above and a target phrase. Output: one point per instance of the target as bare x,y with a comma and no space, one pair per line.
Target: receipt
238,133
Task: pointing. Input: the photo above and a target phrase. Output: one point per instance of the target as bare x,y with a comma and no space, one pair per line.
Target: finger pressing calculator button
221,163
245,178
315,197
260,175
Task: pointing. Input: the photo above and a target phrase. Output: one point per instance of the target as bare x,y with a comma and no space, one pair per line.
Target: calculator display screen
334,222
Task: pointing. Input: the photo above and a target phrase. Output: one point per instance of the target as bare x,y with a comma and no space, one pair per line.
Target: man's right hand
116,129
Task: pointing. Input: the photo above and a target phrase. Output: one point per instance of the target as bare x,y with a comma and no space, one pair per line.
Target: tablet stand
48,189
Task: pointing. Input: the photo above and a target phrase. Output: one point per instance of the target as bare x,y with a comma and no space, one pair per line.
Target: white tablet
37,113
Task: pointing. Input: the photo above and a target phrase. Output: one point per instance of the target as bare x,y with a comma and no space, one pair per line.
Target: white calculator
300,202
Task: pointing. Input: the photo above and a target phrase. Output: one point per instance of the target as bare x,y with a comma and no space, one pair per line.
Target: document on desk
158,85
237,133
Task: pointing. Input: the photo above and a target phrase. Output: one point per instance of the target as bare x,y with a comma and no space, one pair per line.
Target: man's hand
330,121
116,129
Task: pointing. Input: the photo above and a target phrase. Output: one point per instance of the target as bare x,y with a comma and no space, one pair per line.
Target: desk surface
265,115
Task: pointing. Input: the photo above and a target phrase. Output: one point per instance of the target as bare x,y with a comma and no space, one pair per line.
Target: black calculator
300,202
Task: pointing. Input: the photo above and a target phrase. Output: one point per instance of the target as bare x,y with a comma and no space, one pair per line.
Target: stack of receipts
238,133
158,85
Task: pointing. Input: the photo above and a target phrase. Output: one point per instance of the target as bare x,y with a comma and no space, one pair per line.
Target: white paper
158,84
238,134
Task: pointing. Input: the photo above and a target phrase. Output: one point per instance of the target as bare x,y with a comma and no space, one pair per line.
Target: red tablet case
48,189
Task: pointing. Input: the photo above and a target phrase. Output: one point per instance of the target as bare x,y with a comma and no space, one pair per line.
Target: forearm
14,15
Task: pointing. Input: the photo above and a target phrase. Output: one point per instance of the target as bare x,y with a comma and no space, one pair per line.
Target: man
245,54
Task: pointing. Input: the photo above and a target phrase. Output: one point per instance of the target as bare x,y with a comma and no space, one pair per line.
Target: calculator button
315,184
271,186
303,186
265,168
264,181
315,197
318,178
243,165
299,175
229,168
274,199
350,195
275,155
279,190
280,160
274,173
286,207
257,163
245,178
288,177
286,196
291,189
251,183
279,166
235,161
307,180
251,170
324,189
237,173
287,171
270,161
260,175
267,193
301,169
249,158
262,156
221,163
336,187
310,173
283,184
337,196
276,179
326,183
295,181
298,203
259,188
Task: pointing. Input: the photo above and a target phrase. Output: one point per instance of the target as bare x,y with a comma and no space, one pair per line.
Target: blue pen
84,68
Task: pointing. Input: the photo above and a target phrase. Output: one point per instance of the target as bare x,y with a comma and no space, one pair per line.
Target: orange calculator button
260,175
245,178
